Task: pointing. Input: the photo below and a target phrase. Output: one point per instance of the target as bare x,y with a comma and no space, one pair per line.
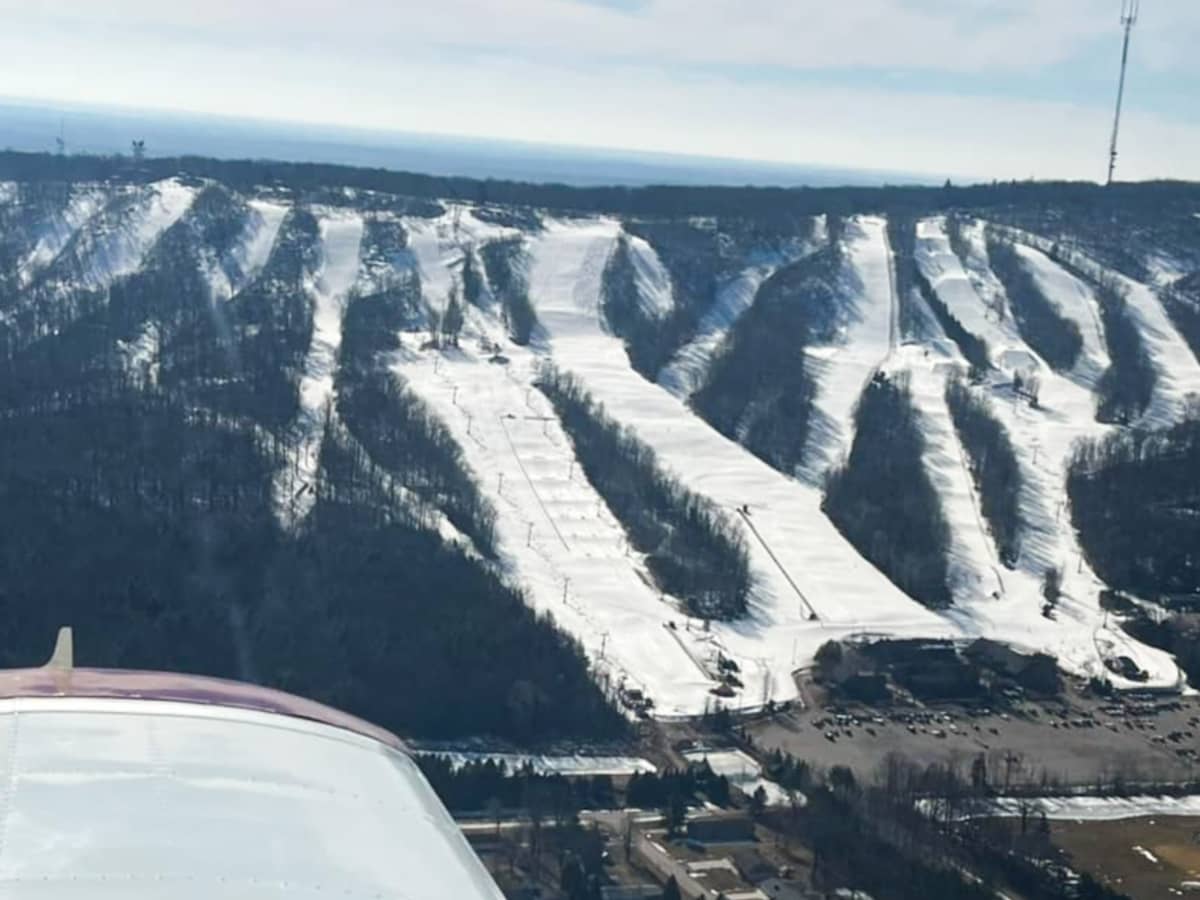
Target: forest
1127,385
648,340
1055,338
882,500
902,237
759,389
693,549
1080,203
1135,501
505,263
398,433
142,438
974,349
1182,302
694,254
993,465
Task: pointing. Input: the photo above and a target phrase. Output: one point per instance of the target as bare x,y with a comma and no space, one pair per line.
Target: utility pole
1129,15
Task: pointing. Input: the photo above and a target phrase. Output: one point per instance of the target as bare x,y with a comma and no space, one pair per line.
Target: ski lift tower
1129,16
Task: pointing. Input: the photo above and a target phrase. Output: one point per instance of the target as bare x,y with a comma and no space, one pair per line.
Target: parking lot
1076,741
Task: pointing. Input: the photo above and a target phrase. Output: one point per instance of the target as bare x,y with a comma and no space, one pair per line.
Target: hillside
477,467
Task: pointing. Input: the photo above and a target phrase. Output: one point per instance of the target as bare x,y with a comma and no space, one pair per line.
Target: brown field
1106,850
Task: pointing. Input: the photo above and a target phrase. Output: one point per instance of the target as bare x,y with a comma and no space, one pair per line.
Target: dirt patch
1148,859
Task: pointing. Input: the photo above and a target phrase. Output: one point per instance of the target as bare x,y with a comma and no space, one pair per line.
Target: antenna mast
1129,15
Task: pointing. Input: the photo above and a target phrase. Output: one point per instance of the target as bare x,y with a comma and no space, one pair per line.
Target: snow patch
744,773
140,356
55,233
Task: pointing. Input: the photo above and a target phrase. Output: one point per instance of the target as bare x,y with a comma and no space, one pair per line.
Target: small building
1035,672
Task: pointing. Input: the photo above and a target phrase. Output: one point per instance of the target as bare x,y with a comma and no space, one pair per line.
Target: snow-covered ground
1177,367
981,311
990,599
1099,809
868,338
684,374
55,231
745,774
117,245
651,277
341,235
573,765
563,545
560,542
1077,303
231,272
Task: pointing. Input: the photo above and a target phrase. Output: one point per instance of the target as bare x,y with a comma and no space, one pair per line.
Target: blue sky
992,88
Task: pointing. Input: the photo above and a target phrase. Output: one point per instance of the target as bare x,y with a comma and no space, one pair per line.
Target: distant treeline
882,500
693,549
1081,200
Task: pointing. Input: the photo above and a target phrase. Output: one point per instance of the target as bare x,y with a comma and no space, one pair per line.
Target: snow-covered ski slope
560,542
555,536
341,235
1177,367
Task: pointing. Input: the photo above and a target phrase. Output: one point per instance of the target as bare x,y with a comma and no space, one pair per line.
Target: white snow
743,773
1099,809
8,192
1077,303
800,562
57,230
1176,365
973,561
128,233
685,372
439,245
651,278
868,338
939,264
558,540
548,764
250,251
1143,852
140,356
294,484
